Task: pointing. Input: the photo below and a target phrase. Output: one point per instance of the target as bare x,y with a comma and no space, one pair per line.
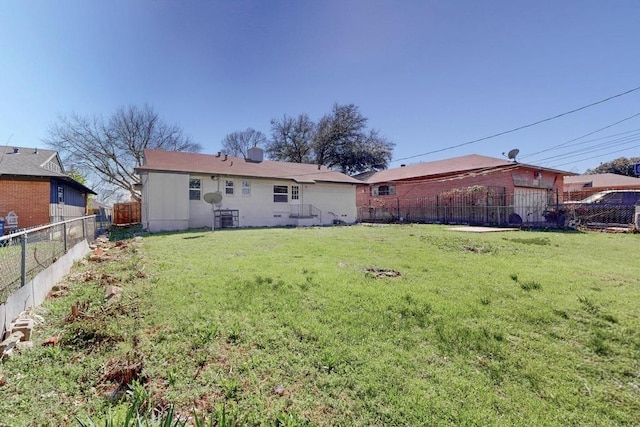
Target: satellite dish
212,198
512,154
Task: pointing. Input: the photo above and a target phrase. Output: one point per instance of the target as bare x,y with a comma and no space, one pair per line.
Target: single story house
468,189
579,187
188,190
34,189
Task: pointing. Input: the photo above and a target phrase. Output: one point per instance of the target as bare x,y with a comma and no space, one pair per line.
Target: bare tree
108,150
292,139
239,142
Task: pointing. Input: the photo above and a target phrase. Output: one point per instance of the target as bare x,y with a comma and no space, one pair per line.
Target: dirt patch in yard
381,273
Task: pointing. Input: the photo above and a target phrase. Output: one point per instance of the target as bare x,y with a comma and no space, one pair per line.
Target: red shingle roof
470,162
602,180
174,161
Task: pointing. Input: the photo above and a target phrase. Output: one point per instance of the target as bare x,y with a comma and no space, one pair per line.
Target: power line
580,137
520,127
594,157
594,148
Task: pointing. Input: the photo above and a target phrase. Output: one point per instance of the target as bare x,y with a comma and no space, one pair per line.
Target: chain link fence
24,254
601,208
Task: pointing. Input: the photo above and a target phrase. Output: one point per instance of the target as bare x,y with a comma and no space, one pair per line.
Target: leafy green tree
620,166
76,175
291,139
340,140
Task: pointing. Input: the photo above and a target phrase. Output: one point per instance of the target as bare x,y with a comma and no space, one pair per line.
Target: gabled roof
471,162
177,161
601,180
35,162
29,162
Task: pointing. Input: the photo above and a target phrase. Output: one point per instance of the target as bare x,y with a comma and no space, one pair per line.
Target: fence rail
26,253
492,206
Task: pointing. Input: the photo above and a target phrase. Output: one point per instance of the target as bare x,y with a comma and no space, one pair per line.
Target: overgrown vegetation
391,325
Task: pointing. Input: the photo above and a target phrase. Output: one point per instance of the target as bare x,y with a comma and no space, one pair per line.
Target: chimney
255,154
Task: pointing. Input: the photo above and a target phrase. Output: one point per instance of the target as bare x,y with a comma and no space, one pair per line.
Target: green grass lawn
353,326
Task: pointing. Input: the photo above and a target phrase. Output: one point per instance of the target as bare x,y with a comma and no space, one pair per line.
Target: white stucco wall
166,204
165,201
258,209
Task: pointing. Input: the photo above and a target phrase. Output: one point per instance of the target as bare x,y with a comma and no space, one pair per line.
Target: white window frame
246,188
280,196
295,192
195,187
228,187
390,190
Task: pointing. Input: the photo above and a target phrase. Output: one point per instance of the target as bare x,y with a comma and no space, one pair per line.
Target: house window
194,188
280,193
228,188
60,194
246,188
295,192
383,190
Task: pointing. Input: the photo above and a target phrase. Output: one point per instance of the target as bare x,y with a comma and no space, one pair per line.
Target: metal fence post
64,233
23,261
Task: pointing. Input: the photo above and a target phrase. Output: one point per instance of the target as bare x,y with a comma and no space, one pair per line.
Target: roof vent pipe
16,150
225,157
219,153
402,165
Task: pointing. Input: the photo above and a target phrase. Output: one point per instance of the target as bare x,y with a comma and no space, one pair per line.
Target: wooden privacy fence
127,213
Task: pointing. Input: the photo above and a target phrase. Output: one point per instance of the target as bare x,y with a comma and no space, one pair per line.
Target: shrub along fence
474,205
26,254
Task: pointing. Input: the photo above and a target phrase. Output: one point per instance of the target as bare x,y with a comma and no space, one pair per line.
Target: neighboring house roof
94,204
601,180
469,163
177,161
35,162
30,162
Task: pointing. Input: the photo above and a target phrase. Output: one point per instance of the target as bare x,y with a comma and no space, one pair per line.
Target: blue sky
428,74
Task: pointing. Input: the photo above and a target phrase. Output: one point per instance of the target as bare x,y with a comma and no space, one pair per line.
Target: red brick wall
29,199
411,189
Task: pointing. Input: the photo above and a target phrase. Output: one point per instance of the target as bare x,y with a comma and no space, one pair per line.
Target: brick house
579,187
35,190
470,189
